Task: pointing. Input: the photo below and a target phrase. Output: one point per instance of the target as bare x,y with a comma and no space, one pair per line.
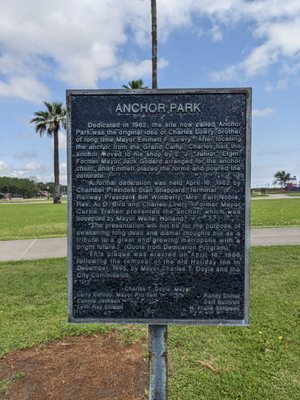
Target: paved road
275,196
275,236
32,249
52,248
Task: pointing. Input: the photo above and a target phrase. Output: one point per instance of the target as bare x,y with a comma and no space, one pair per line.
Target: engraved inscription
158,206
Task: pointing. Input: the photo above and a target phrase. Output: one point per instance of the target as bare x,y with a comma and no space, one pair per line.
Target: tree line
25,187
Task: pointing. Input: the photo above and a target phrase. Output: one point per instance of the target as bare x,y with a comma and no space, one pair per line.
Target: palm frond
138,84
50,120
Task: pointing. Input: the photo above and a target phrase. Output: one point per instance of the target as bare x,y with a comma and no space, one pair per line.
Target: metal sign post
157,334
158,362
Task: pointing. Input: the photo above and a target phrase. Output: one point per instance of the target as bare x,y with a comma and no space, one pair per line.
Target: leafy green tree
282,177
139,84
23,187
49,122
50,187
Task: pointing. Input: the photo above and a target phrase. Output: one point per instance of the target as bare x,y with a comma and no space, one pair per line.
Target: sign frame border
154,321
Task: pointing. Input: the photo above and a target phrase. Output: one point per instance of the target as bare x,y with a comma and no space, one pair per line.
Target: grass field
259,362
274,213
33,304
29,221
294,194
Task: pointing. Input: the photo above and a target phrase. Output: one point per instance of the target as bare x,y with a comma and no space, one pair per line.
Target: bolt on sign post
158,210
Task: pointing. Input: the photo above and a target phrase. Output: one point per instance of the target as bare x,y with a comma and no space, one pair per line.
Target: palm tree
282,177
139,84
49,122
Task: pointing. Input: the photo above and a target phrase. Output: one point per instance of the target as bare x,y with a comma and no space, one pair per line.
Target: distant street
276,196
33,249
275,236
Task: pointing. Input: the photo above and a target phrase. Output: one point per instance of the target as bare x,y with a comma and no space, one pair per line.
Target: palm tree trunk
154,44
56,199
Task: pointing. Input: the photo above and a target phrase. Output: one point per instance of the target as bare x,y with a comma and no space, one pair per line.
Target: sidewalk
51,248
275,236
33,249
275,196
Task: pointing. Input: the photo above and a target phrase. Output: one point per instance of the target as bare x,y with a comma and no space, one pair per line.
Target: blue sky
47,47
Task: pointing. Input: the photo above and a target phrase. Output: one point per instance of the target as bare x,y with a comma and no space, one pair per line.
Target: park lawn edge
258,362
42,221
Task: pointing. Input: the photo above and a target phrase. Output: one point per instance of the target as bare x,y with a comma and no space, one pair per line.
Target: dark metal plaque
159,186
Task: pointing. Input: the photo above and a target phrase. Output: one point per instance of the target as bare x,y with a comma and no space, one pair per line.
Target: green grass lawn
259,362
293,194
274,213
28,221
33,304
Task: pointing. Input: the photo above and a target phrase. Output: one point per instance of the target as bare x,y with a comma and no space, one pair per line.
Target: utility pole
154,43
157,334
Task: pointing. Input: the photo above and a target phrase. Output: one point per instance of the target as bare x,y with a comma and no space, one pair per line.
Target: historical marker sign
159,186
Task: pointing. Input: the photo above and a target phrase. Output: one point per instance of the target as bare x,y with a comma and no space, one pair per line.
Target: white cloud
263,112
280,85
131,70
277,27
80,44
63,173
4,169
23,155
27,170
32,166
259,59
216,33
63,168
275,151
24,87
81,41
228,74
62,140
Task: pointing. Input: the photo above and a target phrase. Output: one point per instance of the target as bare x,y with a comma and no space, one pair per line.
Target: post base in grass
158,362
